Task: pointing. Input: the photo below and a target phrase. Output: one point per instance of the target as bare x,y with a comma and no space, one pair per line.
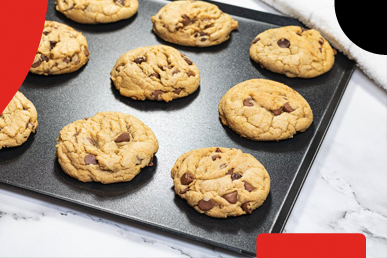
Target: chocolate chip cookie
157,73
221,182
110,147
193,23
293,51
61,50
97,11
265,110
17,122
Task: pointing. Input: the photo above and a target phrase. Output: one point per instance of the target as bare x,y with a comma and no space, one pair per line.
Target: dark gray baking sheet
180,126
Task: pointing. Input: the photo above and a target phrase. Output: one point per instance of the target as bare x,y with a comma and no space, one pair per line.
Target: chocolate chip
248,102
175,71
187,178
168,67
215,157
223,165
188,61
256,40
288,108
139,60
231,197
321,41
190,73
218,150
75,59
138,160
44,57
86,52
155,75
150,164
46,32
184,191
203,39
120,2
157,93
160,17
244,207
30,125
207,26
230,171
202,33
206,205
36,64
277,112
53,44
177,91
91,141
118,68
235,176
124,137
283,43
248,186
186,20
90,160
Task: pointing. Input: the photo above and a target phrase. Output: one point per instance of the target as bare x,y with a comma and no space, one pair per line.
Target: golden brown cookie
193,23
110,147
221,182
157,73
17,122
293,51
61,50
97,11
265,110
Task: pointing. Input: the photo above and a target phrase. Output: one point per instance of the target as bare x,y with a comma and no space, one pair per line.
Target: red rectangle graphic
316,245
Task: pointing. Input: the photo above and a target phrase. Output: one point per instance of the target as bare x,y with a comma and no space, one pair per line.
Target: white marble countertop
345,192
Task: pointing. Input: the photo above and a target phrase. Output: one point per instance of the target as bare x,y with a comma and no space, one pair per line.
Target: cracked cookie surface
293,51
221,182
97,11
61,50
193,23
17,122
110,147
157,72
265,110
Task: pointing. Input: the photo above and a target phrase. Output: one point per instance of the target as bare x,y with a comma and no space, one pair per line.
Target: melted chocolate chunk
206,205
187,178
231,197
283,43
248,102
90,159
124,137
248,186
139,60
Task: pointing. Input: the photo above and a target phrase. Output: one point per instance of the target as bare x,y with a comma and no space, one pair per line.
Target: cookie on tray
17,122
265,110
193,23
109,147
97,11
61,50
293,51
157,72
221,182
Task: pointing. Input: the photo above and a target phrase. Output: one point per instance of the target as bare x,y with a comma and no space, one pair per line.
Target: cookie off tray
181,125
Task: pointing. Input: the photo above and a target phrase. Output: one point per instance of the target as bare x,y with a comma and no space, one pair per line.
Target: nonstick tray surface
180,126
